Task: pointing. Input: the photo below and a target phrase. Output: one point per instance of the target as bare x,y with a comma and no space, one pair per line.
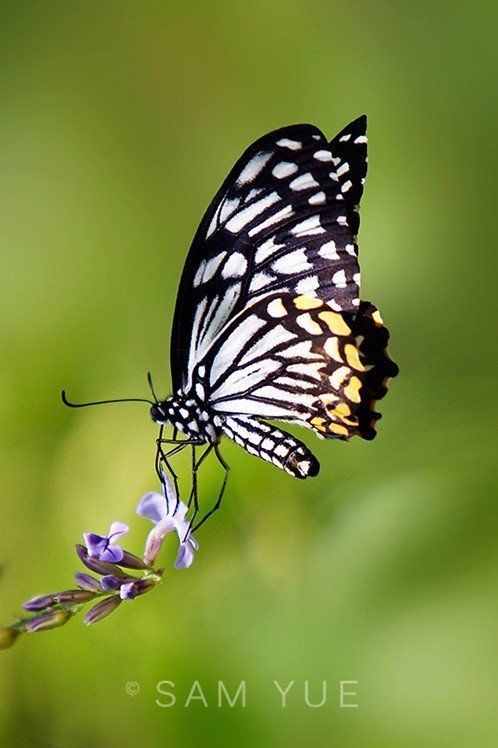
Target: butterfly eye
157,414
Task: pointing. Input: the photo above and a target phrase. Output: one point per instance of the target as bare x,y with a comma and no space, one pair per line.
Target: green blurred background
118,122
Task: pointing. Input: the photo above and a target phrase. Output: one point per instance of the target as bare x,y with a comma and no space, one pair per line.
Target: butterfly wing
294,358
284,220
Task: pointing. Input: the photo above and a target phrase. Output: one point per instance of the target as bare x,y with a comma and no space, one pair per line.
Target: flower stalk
113,566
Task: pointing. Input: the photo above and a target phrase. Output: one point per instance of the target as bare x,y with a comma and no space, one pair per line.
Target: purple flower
102,547
128,591
167,513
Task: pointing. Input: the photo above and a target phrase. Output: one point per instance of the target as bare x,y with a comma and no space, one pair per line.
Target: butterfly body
190,416
269,324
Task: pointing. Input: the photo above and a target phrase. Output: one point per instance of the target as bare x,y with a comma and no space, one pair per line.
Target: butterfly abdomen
271,444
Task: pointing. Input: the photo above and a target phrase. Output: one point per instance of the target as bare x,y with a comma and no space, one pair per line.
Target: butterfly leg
226,468
163,457
195,467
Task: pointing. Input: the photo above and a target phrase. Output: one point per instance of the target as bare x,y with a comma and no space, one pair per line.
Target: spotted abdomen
271,444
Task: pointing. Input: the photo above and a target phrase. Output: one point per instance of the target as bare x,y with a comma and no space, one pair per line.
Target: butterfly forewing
269,322
284,220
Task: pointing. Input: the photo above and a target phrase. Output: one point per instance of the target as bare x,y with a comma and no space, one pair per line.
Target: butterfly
269,325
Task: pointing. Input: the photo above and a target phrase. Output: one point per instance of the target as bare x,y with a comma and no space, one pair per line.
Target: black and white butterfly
268,322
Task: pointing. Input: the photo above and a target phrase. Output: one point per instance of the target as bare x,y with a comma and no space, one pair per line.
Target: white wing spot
253,168
292,261
336,307
317,199
345,138
199,273
212,266
308,285
350,250
253,193
275,218
235,266
267,249
248,214
323,156
229,207
307,323
343,168
329,251
304,182
284,169
361,139
260,280
309,226
294,145
276,309
346,186
339,279
336,161
342,220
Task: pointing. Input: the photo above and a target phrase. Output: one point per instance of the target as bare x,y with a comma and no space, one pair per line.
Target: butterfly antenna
151,385
104,402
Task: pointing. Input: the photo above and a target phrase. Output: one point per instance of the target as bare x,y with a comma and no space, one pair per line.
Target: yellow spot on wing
353,358
342,409
318,423
307,302
337,429
352,391
335,323
377,318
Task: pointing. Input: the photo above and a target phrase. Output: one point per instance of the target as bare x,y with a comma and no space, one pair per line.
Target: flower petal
128,591
153,507
185,556
95,544
155,539
110,582
112,553
117,529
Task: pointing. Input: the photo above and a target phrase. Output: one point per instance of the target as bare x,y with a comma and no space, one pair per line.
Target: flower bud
40,602
68,597
111,583
129,561
144,585
102,609
94,564
8,635
51,620
87,582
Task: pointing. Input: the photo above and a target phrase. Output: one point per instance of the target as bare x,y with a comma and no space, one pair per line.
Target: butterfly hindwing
294,358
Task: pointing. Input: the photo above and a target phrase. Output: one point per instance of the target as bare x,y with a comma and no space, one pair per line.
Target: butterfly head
161,412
